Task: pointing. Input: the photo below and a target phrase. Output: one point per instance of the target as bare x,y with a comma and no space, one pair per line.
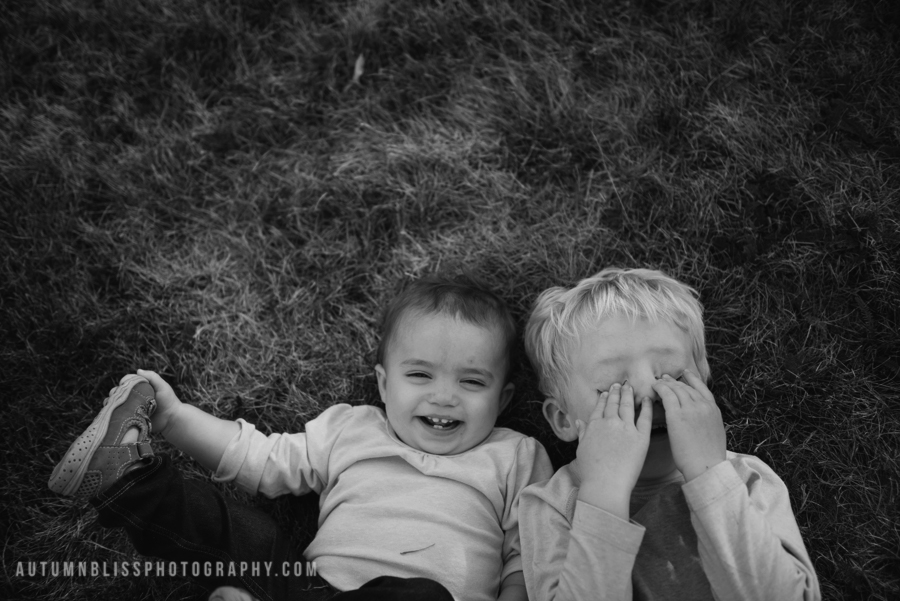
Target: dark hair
461,296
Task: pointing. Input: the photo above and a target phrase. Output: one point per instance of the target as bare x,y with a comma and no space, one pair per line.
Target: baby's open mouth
659,429
440,423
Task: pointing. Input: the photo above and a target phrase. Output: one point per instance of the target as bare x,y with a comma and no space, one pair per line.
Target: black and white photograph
450,300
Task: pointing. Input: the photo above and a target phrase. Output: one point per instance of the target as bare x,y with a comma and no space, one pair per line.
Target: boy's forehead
621,337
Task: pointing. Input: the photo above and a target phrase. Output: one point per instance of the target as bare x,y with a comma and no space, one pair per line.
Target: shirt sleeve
531,465
280,464
589,558
748,539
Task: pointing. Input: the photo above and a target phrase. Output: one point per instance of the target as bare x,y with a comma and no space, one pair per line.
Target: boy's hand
612,448
696,431
167,403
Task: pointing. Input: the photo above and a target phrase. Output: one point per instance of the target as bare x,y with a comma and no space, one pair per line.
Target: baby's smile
440,423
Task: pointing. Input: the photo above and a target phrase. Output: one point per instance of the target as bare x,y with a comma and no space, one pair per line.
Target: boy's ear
506,395
563,426
381,376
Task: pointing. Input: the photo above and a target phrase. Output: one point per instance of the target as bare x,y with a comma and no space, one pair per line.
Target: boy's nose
643,388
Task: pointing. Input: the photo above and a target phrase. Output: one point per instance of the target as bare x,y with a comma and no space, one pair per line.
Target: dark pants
178,519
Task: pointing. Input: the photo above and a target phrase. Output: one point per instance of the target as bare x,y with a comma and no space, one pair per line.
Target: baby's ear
506,395
563,426
381,376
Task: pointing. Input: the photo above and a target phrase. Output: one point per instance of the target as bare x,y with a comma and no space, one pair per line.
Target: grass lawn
228,191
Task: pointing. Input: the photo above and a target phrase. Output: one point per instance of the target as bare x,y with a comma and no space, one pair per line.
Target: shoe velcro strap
144,449
137,450
113,457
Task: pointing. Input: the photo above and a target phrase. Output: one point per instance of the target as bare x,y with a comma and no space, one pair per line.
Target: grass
229,191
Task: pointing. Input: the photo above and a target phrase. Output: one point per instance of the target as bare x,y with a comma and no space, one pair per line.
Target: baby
653,507
424,491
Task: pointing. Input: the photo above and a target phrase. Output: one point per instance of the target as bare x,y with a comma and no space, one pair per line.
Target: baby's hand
612,448
167,403
696,431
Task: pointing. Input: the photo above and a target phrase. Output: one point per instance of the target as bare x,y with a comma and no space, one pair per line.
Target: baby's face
442,383
638,352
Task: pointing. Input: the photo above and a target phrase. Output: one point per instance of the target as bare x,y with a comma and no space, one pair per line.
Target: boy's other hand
167,403
612,448
694,422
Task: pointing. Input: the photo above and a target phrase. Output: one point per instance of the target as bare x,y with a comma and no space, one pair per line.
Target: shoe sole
69,473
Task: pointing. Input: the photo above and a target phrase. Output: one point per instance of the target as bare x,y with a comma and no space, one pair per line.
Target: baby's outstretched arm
202,436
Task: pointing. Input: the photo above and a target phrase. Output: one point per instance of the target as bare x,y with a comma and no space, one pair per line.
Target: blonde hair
560,315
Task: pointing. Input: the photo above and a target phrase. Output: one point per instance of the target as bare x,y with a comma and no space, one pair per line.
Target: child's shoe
98,458
230,593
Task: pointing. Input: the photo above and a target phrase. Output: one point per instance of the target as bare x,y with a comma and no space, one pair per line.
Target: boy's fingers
687,395
667,395
644,422
626,405
697,383
613,401
600,407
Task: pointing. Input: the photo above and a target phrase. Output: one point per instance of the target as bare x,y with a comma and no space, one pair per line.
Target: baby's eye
418,375
474,382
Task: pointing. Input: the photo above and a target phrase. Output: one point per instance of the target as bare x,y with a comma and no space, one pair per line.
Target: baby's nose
445,395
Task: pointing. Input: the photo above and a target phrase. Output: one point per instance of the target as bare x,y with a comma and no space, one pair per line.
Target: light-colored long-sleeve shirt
389,509
729,535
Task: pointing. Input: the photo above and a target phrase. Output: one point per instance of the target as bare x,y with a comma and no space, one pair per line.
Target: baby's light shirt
389,509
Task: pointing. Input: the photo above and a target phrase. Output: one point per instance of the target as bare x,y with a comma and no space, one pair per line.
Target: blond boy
654,506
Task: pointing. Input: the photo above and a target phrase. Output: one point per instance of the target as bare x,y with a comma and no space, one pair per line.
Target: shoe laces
143,411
